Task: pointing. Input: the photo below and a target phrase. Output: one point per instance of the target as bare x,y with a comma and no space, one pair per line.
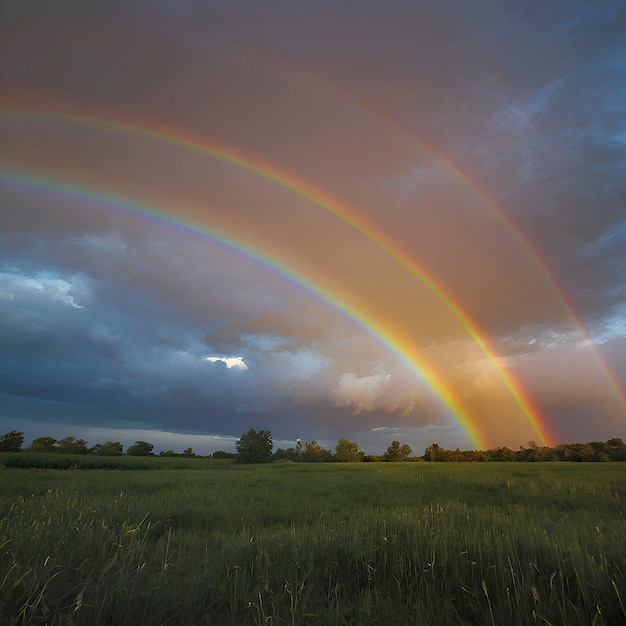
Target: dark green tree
72,445
255,447
616,449
110,448
397,452
11,441
140,448
282,453
222,454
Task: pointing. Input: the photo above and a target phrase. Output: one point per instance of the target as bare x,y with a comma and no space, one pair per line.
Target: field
212,542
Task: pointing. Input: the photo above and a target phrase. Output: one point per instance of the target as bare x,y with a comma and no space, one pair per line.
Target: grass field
293,543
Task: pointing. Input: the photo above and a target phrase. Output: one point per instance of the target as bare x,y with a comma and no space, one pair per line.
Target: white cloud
361,393
614,326
230,361
43,283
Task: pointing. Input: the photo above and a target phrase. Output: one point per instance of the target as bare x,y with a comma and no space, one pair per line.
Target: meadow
201,541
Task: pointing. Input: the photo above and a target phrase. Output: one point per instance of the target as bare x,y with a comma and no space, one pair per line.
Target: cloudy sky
377,220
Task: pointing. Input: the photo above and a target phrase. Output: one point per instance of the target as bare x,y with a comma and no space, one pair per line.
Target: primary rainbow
305,189
400,345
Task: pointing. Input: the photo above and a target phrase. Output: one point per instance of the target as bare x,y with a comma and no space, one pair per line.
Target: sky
380,220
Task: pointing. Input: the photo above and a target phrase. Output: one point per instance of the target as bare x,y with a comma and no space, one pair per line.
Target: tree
43,444
140,448
72,445
222,454
502,454
314,453
405,452
110,448
255,447
11,441
433,453
397,452
348,451
282,453
616,449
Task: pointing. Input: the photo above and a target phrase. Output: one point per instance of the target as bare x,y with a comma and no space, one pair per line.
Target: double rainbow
288,66
394,339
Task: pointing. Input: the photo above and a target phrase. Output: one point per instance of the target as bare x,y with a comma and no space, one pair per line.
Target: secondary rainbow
305,189
482,193
511,225
395,342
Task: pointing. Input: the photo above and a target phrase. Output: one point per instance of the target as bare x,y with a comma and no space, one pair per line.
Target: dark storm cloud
116,324
551,101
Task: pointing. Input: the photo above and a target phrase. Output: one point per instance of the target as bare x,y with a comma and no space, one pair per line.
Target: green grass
285,543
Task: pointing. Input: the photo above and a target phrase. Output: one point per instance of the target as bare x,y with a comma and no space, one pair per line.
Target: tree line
595,451
253,447
14,440
258,447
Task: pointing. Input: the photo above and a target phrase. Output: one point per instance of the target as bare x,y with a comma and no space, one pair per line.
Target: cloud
369,393
229,361
43,283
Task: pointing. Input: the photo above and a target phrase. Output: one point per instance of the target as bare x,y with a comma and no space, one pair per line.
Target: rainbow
305,189
489,201
395,341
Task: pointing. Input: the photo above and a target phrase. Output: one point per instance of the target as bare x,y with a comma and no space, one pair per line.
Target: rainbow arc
399,344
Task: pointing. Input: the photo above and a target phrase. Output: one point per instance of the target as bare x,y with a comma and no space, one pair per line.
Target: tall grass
315,544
